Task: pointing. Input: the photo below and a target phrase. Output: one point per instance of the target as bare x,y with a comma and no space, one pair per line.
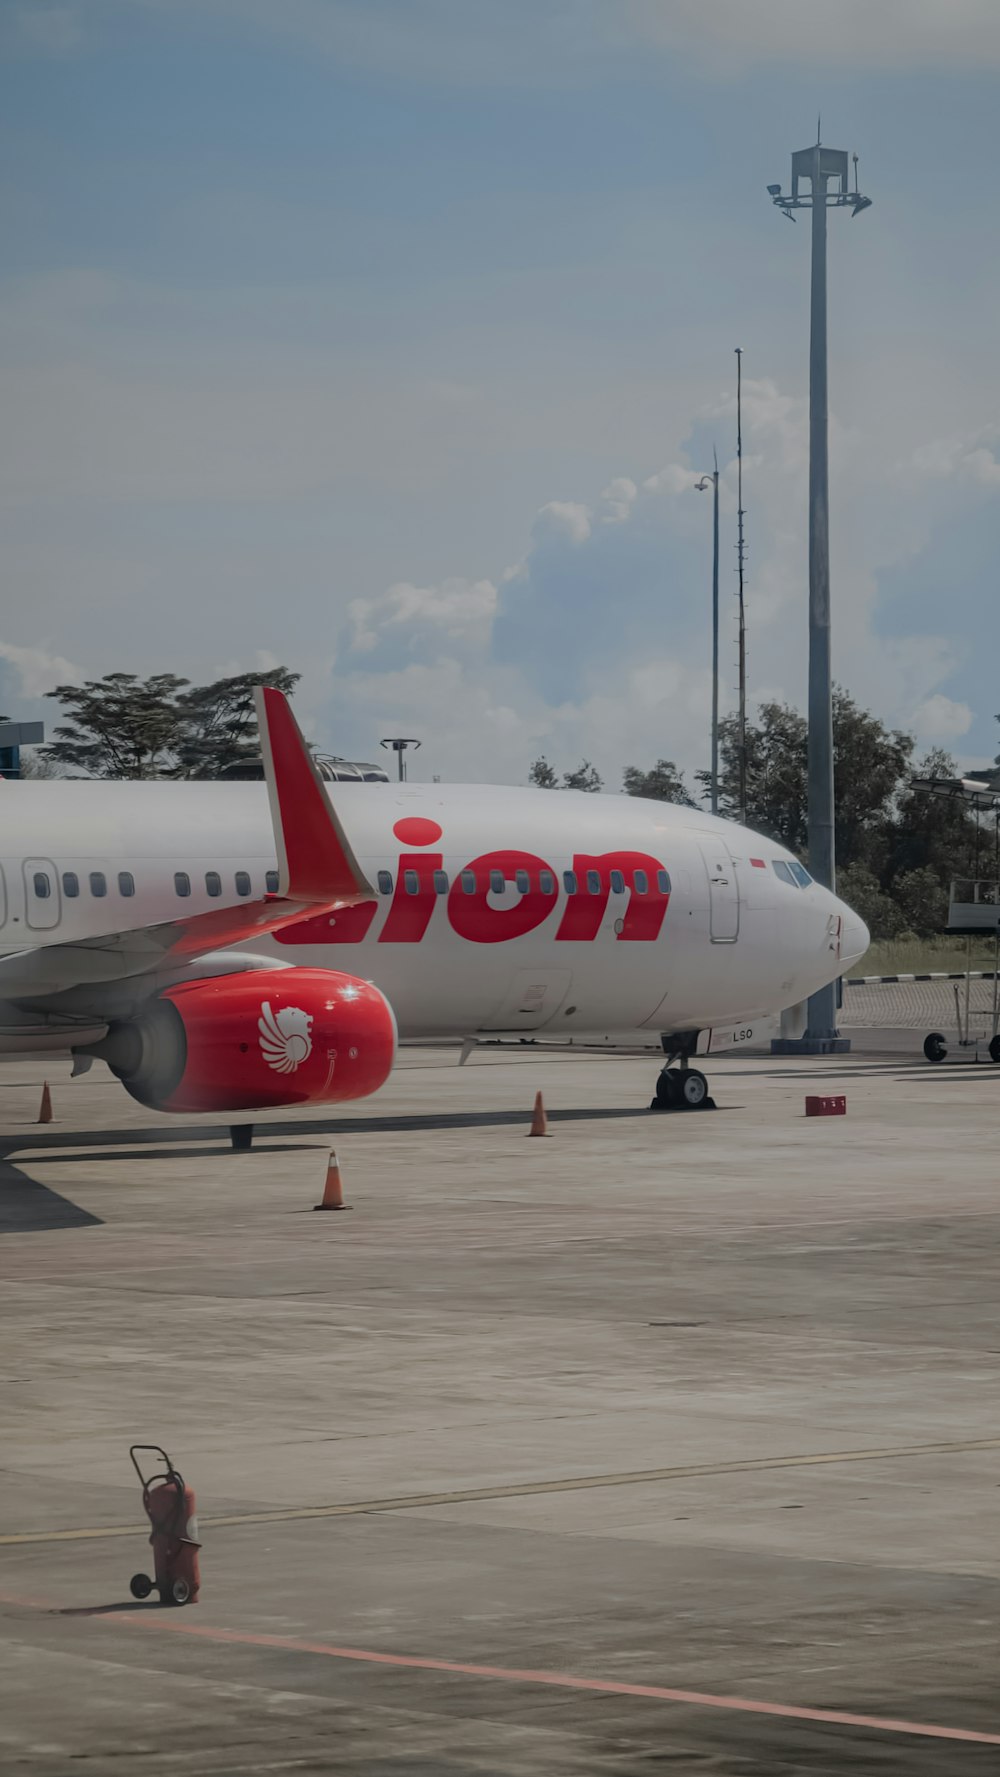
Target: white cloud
562,519
939,720
618,499
972,458
674,478
40,671
597,644
456,608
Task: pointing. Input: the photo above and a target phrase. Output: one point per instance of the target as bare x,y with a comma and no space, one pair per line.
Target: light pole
398,743
713,482
820,165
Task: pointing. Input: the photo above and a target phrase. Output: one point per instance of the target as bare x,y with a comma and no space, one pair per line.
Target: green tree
219,723
585,777
663,783
922,901
122,726
871,768
932,831
861,890
777,782
542,775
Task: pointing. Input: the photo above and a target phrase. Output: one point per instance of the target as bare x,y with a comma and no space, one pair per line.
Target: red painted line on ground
562,1680
153,1619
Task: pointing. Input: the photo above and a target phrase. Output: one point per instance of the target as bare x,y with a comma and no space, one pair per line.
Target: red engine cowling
256,1041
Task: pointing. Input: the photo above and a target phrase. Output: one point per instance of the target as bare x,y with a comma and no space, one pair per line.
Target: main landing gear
681,1088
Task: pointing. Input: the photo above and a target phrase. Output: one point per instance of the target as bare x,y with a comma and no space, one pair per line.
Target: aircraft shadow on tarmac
28,1207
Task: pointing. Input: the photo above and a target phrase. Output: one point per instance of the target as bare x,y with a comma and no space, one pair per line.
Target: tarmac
668,1443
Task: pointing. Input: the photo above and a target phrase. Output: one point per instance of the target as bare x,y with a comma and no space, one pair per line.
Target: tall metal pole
740,559
822,1022
820,165
701,485
715,632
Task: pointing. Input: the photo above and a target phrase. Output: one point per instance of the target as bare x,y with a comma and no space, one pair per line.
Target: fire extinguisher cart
171,1509
974,912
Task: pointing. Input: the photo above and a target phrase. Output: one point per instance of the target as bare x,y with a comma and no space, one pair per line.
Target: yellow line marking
409,1502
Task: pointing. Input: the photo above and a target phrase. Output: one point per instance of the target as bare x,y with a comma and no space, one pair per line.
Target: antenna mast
740,563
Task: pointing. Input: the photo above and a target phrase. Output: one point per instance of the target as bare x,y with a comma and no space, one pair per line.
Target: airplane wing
317,870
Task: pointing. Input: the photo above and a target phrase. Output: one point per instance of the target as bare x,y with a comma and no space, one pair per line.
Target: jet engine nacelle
255,1041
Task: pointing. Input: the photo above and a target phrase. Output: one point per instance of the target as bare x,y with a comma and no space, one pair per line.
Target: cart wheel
140,1585
995,1048
935,1047
180,1591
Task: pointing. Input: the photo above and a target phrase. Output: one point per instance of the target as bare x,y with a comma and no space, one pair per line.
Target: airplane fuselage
493,909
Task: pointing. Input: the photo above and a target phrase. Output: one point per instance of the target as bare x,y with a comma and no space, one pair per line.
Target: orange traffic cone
333,1190
539,1121
45,1109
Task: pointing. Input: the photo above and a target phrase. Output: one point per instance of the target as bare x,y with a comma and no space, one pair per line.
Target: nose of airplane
854,937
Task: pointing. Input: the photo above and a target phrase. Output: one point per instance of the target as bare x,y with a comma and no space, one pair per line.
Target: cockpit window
800,874
783,871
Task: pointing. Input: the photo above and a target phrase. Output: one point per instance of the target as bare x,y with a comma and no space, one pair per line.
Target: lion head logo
285,1037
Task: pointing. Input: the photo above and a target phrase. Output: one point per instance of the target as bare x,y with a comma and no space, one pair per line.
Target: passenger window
546,882
497,882
593,883
640,882
71,884
782,872
242,882
468,882
411,882
98,883
440,882
663,882
126,883
385,882
569,881
213,882
617,883
521,879
43,887
182,883
271,882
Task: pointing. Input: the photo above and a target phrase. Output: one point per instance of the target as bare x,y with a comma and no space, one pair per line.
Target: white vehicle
231,947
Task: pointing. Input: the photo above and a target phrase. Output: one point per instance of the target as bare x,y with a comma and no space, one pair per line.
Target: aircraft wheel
995,1048
694,1088
140,1585
935,1047
668,1090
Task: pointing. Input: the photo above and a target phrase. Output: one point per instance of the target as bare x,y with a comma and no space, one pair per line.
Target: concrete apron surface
666,1442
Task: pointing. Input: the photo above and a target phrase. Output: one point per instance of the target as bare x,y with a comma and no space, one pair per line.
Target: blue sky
387,340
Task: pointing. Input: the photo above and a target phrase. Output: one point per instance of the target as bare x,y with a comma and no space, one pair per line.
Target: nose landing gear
681,1088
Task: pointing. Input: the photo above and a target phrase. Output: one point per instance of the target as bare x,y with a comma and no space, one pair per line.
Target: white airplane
227,947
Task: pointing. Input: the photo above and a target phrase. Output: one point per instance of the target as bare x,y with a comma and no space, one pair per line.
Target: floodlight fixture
398,744
774,190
